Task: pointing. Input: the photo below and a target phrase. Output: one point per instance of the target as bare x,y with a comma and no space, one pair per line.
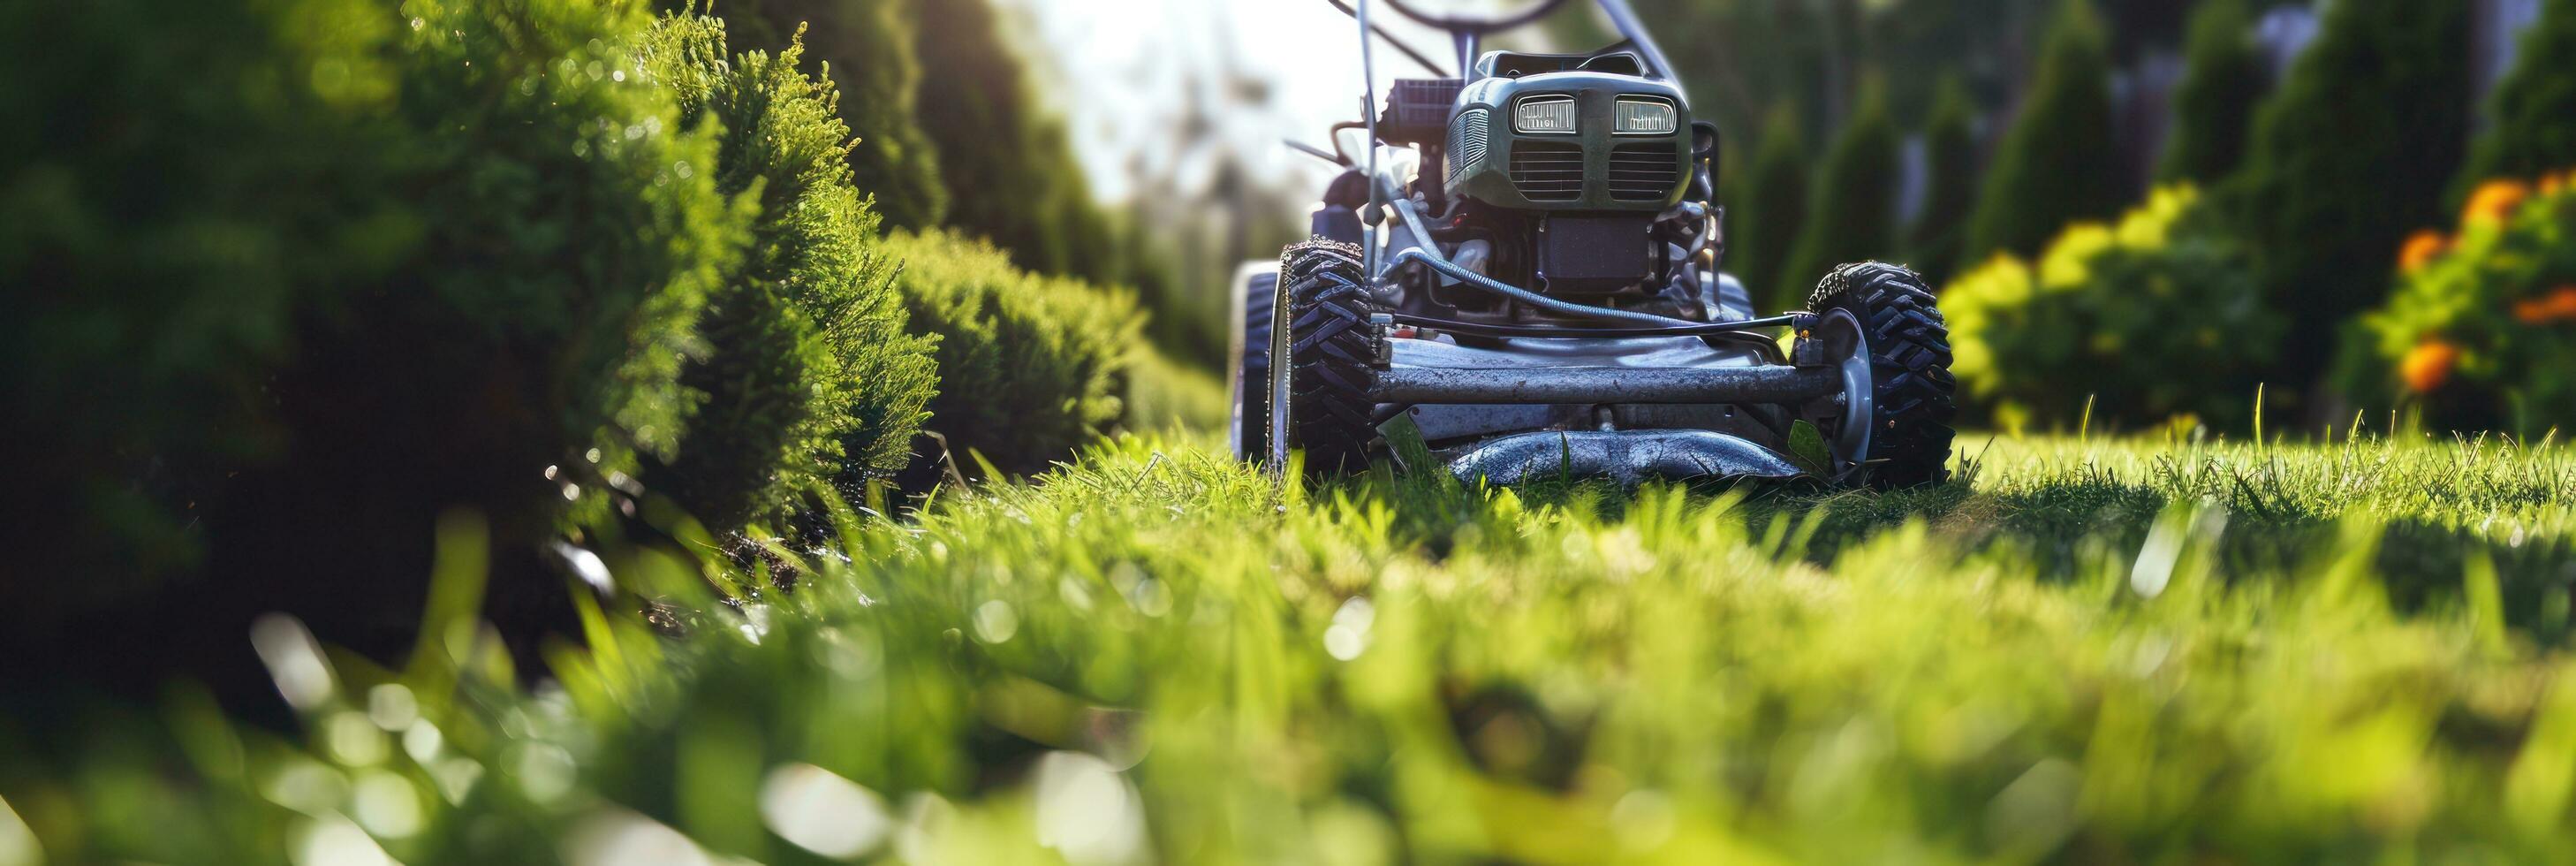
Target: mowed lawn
2084,651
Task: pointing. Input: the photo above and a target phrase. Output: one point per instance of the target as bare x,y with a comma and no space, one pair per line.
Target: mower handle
1478,26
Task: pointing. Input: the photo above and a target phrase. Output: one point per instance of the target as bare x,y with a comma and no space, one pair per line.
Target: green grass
2086,652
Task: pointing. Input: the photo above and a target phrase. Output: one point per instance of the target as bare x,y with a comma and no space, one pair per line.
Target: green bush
2223,78
2354,151
174,180
1852,216
326,271
2059,163
807,373
1030,367
2149,319
2481,330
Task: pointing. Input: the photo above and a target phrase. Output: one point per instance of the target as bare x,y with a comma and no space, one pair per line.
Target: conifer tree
2060,162
1008,170
1950,195
1775,209
2533,116
2223,79
1852,215
2352,154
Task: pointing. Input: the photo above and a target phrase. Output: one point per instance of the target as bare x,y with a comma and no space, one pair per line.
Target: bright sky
1130,63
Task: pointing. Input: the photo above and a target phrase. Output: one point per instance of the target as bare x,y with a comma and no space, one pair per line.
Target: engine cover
1593,255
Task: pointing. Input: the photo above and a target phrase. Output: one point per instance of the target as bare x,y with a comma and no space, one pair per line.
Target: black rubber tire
1252,370
1909,349
1326,347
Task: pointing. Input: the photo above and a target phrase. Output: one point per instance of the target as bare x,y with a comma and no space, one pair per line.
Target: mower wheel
1252,369
1907,346
1322,355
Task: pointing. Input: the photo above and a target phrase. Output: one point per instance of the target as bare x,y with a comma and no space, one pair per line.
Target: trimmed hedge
2481,330
2151,318
1030,367
323,272
806,373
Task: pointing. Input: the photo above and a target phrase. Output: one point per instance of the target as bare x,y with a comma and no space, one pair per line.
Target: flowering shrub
2481,331
2151,318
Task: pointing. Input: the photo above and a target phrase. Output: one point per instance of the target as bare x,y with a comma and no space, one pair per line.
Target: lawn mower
1520,275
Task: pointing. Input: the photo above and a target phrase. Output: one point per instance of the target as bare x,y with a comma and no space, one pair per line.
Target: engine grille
1467,141
1547,171
1644,172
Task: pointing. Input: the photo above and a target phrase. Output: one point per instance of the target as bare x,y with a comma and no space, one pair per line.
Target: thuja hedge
1030,367
288,281
806,372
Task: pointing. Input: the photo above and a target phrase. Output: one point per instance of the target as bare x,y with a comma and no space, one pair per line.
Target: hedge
806,373
294,279
1030,367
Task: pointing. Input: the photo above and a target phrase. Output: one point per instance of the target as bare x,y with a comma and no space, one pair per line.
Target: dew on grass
456,778
822,812
392,707
421,741
386,804
332,840
545,771
18,846
1349,634
996,622
617,837
352,739
294,660
307,786
1086,810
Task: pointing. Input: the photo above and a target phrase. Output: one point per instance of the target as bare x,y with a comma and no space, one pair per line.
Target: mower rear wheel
1252,369
1320,358
1906,348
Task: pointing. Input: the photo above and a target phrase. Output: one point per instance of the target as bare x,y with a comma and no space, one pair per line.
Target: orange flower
2552,184
2421,250
2557,306
2429,365
2494,201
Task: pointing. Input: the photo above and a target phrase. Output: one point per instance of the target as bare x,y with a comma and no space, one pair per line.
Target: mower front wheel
1320,354
1891,427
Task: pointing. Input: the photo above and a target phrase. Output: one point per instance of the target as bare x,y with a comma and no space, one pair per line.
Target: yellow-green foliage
2149,318
1154,657
2482,326
1030,367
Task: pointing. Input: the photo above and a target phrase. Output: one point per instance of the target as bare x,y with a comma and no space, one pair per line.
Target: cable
1401,48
